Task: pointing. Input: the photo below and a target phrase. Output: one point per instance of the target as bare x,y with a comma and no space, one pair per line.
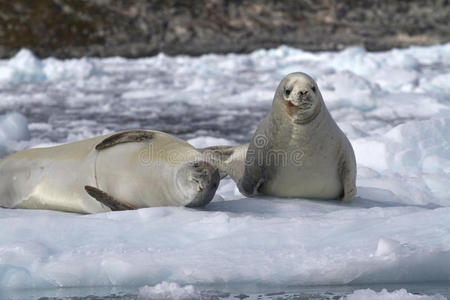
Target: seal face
300,97
121,171
298,150
203,178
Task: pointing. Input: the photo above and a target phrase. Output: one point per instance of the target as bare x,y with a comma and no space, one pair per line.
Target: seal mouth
199,184
302,104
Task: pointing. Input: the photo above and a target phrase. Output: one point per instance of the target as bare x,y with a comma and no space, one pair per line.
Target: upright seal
298,150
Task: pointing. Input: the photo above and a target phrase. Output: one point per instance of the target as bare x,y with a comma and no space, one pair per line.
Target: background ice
169,291
26,68
13,128
385,295
173,291
394,106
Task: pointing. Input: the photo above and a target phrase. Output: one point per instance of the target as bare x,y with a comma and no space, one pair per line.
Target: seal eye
287,92
313,89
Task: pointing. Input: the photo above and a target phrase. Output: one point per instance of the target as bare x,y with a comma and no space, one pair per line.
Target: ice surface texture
394,107
173,291
385,295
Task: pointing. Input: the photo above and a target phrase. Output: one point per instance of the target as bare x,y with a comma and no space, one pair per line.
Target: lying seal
126,170
298,150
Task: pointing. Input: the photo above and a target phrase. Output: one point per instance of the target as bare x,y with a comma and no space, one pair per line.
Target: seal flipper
133,136
230,160
218,155
106,199
219,152
348,175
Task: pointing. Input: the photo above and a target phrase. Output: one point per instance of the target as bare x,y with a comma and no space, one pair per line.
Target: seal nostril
303,93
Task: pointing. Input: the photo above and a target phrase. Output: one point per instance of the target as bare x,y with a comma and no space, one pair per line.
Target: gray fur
298,150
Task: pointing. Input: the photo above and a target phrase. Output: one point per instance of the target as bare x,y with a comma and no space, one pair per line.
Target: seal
298,150
120,171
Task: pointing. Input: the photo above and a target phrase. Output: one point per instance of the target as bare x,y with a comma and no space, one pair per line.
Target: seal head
299,97
199,181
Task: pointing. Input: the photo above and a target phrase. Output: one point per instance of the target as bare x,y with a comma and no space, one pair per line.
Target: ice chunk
348,89
23,67
414,156
413,142
404,79
410,147
168,291
13,126
387,247
430,55
207,141
401,294
357,60
55,69
438,83
360,62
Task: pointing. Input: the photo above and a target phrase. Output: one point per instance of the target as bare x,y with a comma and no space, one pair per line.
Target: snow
169,291
394,107
401,294
203,142
173,291
26,68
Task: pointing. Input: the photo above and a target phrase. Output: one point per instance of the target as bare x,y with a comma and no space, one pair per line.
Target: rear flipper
230,160
107,200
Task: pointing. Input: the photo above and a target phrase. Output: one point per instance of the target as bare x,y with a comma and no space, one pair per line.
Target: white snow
173,291
203,142
394,106
401,294
26,68
169,291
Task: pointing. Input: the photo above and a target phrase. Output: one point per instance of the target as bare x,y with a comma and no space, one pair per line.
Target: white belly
314,174
305,182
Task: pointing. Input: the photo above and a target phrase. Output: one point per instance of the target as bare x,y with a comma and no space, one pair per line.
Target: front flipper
133,136
106,199
348,174
253,175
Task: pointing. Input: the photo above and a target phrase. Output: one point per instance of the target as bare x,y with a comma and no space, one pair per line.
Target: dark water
228,292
